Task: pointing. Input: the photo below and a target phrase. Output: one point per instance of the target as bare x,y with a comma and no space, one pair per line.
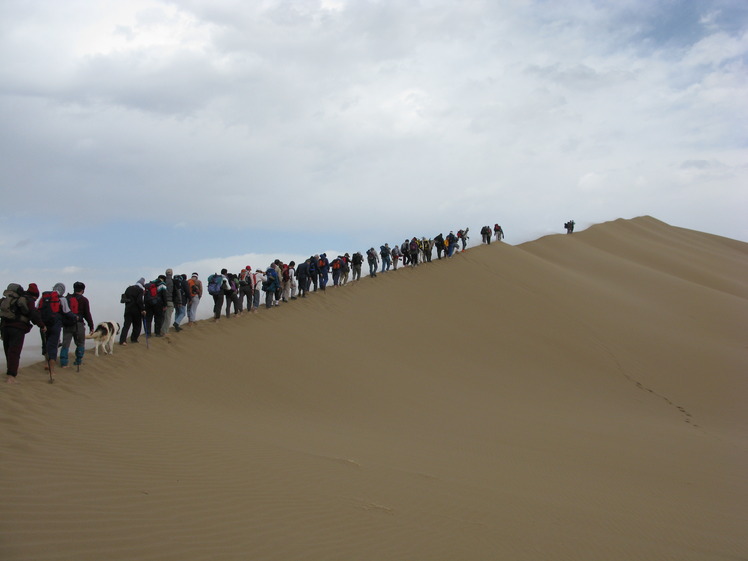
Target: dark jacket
134,296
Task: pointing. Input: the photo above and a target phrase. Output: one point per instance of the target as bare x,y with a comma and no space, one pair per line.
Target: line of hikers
58,317
156,306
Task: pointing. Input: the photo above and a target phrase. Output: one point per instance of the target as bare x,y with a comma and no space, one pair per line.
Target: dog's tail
98,332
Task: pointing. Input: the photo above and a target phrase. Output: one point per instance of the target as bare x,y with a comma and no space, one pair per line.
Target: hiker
405,251
345,268
314,270
231,292
373,259
134,311
439,243
356,262
302,277
246,290
498,232
413,249
53,307
395,255
196,293
172,301
485,234
427,247
180,310
569,226
335,266
450,243
277,266
259,279
386,253
270,286
462,235
76,331
154,299
17,313
323,268
216,288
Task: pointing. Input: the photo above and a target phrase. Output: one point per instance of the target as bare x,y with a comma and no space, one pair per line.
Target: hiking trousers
76,333
13,338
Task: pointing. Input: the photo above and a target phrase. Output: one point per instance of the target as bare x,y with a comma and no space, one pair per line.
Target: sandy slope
578,397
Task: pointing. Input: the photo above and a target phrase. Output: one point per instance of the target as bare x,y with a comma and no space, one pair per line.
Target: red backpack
49,306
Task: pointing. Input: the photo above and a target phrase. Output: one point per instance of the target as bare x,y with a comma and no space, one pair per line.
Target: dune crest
577,397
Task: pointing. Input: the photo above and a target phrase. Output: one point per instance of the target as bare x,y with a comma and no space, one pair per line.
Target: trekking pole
145,328
46,356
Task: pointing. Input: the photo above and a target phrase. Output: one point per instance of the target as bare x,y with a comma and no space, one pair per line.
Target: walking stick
46,356
145,328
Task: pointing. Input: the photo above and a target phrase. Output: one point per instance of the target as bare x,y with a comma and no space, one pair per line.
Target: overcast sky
145,134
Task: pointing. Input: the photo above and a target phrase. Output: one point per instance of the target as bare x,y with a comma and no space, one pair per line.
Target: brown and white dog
104,335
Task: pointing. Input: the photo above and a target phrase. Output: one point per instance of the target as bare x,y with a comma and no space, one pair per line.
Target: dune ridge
576,397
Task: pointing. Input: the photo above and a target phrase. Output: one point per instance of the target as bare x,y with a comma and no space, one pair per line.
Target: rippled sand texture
579,397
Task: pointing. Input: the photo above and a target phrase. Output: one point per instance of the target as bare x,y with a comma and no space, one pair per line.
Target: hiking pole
145,328
46,356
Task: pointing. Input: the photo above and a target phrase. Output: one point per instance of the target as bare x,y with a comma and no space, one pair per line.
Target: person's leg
79,337
158,318
67,336
166,321
12,345
137,325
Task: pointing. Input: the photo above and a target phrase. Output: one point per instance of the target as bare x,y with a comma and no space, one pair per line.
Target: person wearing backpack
270,286
155,305
196,293
323,270
314,271
80,307
373,259
439,243
133,299
17,313
498,232
231,291
345,268
173,301
356,262
259,279
290,284
385,252
302,277
180,310
405,252
413,248
53,308
217,284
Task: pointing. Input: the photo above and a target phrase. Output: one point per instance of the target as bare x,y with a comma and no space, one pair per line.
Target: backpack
321,263
193,287
9,306
413,246
358,258
215,282
49,307
286,274
336,264
72,317
151,294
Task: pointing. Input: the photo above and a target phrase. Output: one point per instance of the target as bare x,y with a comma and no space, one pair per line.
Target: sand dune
574,398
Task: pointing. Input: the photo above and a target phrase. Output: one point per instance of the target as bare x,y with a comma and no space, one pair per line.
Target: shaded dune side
571,398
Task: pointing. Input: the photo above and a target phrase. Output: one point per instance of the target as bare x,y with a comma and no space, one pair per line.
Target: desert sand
579,397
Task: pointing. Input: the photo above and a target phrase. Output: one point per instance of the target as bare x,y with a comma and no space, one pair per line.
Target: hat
249,267
59,288
33,289
169,272
194,275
